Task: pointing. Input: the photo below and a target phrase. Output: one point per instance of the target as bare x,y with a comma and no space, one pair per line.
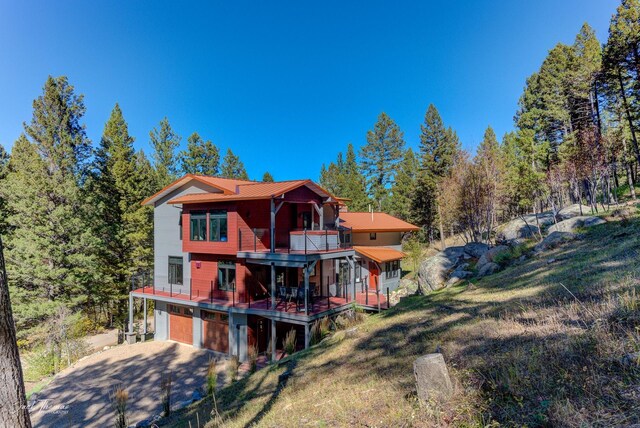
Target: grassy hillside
539,344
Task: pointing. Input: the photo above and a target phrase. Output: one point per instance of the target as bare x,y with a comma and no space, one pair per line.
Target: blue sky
286,85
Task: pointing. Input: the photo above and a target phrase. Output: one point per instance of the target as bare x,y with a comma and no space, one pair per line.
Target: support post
144,327
273,340
306,289
272,229
273,286
306,336
130,335
320,212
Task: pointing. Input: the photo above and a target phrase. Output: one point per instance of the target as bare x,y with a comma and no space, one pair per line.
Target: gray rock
433,271
622,213
476,249
463,266
145,423
516,230
551,261
553,240
432,378
490,255
457,276
570,225
573,211
488,269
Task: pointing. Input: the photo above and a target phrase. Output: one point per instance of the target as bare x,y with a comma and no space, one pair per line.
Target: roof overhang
379,254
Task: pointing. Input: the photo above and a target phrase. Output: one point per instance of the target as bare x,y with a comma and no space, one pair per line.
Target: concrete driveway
79,396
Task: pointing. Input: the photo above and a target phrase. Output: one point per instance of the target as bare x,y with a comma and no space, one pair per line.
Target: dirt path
79,396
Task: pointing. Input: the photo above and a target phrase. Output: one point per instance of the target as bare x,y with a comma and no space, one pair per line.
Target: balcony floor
319,304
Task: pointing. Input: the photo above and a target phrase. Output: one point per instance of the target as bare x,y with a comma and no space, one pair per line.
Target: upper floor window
218,226
198,225
226,275
175,270
373,236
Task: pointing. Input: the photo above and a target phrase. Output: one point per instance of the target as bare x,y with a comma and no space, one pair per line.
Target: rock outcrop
553,240
432,378
490,255
517,230
488,269
476,249
434,270
570,225
573,211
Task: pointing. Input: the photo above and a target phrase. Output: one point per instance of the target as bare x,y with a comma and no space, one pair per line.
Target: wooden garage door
215,331
181,324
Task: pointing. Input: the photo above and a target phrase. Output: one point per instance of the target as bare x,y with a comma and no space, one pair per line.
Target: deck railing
303,241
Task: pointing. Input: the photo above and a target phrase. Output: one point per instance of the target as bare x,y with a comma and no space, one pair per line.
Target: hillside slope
541,343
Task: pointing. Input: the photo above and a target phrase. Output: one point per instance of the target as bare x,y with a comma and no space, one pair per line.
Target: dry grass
538,344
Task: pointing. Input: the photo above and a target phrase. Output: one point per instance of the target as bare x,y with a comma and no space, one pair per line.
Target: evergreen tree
119,186
51,250
4,164
232,167
267,177
164,142
404,186
438,147
201,157
379,157
344,179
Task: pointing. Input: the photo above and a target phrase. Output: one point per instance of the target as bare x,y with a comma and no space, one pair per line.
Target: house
239,264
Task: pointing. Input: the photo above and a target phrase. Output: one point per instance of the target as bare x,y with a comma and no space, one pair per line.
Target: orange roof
376,222
234,190
379,254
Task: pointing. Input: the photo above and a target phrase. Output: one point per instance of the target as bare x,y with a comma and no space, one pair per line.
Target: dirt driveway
79,396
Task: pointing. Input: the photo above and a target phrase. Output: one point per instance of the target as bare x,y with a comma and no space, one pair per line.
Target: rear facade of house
239,264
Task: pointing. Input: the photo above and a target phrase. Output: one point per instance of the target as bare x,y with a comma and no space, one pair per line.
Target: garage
215,331
181,324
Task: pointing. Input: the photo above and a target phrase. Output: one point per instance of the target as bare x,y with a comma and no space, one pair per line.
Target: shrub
119,398
212,377
253,358
316,334
290,342
232,368
165,392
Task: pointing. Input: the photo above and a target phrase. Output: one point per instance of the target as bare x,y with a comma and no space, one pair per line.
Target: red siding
204,270
229,247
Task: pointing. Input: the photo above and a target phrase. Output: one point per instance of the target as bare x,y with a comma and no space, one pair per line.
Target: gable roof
226,185
375,222
234,190
379,254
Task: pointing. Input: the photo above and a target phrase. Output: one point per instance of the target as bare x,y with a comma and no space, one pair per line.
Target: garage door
181,324
215,331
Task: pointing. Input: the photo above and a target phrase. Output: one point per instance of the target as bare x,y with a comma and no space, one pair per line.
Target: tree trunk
443,245
632,188
629,119
13,402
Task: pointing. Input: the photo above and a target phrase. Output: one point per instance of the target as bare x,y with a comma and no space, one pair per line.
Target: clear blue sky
286,85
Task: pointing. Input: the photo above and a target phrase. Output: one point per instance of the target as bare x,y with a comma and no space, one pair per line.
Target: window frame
201,216
392,269
220,217
174,275
226,266
373,236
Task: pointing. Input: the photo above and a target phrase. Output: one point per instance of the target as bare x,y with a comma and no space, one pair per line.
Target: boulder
488,269
573,211
476,249
432,378
570,225
433,271
490,255
516,231
553,240
457,276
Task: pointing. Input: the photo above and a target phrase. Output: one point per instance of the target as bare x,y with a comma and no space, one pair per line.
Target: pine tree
164,142
267,177
379,157
344,179
438,147
232,167
4,164
404,185
201,157
51,253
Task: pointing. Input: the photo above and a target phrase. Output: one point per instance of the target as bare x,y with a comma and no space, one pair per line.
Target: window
358,272
174,309
226,275
180,225
372,236
218,226
198,226
392,269
175,270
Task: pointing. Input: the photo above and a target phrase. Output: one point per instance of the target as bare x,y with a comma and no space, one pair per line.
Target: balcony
300,242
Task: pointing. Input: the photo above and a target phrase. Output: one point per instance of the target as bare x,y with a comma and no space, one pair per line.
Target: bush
232,368
212,377
290,342
253,358
119,398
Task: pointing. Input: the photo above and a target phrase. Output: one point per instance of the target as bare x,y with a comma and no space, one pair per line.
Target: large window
198,226
218,226
226,275
175,270
392,269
